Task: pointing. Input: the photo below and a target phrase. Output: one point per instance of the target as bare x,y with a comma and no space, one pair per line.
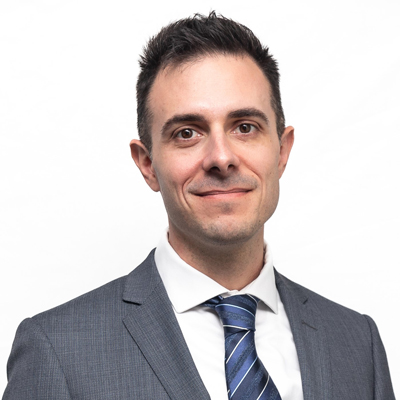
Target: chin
223,235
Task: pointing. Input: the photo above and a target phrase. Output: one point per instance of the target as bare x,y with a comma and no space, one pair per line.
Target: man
182,324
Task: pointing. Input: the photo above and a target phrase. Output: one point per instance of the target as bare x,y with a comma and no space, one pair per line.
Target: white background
74,211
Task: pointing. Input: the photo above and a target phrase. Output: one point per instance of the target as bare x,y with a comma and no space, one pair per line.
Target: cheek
176,170
265,165
172,178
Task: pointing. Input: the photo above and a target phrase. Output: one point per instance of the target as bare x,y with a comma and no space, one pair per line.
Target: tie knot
237,313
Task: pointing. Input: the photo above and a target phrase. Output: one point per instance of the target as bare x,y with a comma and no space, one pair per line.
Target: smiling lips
218,192
235,186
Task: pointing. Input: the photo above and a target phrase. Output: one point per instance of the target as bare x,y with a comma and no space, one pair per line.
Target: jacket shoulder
327,309
108,301
349,341
104,299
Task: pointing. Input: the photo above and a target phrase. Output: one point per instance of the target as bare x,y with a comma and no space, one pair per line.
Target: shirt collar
187,287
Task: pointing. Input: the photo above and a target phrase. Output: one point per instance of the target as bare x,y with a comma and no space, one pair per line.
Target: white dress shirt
188,288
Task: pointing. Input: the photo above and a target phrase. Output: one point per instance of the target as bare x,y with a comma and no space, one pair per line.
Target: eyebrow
193,117
179,118
249,112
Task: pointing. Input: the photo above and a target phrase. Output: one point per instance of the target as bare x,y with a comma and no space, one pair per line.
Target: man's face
216,156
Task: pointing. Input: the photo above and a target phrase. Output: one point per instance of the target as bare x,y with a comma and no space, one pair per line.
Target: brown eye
186,133
245,128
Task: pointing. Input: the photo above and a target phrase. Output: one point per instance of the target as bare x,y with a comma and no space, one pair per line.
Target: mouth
218,193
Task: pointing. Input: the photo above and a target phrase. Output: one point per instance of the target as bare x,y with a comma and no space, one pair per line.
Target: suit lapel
153,326
310,339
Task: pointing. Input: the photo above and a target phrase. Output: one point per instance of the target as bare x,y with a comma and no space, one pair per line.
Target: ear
287,140
143,161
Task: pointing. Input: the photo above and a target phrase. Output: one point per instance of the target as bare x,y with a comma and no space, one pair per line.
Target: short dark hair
190,38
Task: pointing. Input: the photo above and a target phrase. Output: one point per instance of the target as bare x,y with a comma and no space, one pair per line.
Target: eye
245,128
186,133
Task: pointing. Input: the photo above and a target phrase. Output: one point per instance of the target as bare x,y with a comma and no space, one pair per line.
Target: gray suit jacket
122,341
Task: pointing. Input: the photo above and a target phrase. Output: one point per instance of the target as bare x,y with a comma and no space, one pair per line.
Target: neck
232,265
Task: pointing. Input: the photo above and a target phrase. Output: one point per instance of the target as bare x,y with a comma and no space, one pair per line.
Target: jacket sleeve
34,371
383,389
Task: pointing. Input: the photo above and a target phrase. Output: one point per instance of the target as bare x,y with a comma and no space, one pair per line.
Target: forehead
213,86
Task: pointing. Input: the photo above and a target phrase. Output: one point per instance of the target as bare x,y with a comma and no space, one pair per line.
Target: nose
220,156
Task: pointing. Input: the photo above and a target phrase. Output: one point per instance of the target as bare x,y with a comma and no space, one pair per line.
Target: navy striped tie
246,376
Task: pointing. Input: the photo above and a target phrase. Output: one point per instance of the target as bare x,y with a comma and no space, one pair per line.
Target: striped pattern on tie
246,376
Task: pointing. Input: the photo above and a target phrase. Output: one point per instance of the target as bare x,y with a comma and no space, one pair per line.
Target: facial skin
216,156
